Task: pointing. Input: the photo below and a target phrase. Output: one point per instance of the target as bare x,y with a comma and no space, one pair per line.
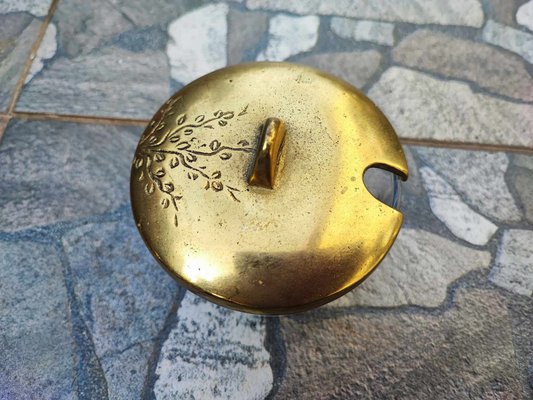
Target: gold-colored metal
314,237
267,157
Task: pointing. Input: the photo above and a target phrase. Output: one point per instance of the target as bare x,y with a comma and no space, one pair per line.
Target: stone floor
85,312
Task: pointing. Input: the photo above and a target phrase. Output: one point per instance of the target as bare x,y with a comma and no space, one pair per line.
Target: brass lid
247,186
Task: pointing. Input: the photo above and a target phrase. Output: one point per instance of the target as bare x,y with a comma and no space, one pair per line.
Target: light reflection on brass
317,235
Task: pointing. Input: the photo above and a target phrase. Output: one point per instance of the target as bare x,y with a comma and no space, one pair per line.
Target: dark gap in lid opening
383,185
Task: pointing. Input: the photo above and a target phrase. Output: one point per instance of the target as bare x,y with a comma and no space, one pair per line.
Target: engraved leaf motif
149,188
184,153
217,186
192,175
214,145
244,110
173,100
183,146
231,191
174,162
168,187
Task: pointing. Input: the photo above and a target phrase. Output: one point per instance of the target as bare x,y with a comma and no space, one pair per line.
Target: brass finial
267,157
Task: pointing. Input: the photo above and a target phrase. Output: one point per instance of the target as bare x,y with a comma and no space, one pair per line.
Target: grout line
31,56
86,119
467,145
4,120
80,119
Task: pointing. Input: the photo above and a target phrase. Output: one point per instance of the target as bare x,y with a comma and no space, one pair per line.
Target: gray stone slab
513,269
464,352
198,42
502,11
524,15
423,107
18,31
356,67
58,171
47,49
509,38
289,36
4,120
451,210
84,27
124,298
115,82
245,31
452,12
485,66
522,181
214,353
36,346
523,161
479,177
110,59
417,271
39,8
363,31
158,12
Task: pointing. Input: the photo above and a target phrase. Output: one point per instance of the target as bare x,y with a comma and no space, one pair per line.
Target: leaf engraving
155,158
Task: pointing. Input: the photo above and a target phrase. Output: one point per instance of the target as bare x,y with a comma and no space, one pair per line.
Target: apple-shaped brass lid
247,186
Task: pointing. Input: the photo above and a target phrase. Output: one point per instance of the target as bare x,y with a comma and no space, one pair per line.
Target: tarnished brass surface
314,236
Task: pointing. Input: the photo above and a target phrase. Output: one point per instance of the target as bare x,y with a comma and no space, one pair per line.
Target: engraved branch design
186,152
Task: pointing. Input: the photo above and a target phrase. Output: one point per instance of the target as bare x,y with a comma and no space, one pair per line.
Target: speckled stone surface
37,347
94,162
512,39
505,74
123,305
87,313
213,352
404,354
422,106
356,67
453,12
19,27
